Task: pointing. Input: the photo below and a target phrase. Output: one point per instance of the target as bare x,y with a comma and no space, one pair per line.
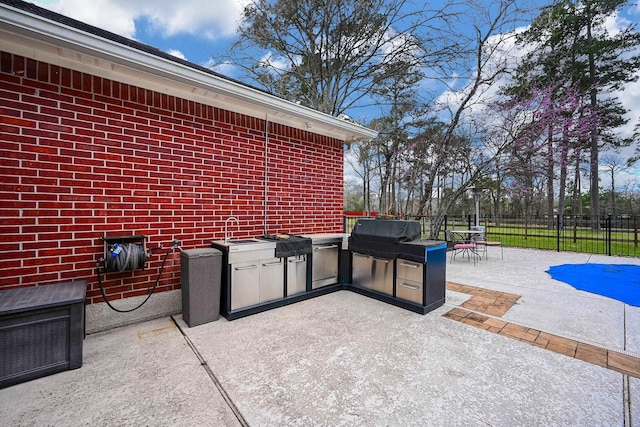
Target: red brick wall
81,156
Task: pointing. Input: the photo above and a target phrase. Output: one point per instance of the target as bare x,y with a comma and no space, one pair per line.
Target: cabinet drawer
409,270
409,290
245,284
271,279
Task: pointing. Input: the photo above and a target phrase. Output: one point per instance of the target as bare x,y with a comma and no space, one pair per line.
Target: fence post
558,232
468,221
609,234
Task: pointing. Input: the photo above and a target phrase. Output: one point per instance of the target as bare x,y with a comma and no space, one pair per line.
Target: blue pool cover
617,281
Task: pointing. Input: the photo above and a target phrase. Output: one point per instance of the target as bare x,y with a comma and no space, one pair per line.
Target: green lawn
623,242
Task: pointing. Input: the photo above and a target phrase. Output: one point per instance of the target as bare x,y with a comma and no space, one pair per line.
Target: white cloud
276,63
501,53
225,68
210,19
111,15
177,54
629,97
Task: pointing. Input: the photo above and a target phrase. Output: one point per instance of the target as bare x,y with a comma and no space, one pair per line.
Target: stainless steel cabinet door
361,267
296,275
245,284
325,265
382,275
271,279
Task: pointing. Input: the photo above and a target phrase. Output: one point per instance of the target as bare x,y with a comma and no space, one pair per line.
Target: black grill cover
381,237
290,245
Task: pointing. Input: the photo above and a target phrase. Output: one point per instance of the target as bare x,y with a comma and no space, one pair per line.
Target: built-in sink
244,245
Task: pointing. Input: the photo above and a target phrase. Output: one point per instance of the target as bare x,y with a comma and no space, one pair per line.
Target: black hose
104,295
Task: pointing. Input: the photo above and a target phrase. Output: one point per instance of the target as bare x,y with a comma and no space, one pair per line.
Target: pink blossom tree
556,120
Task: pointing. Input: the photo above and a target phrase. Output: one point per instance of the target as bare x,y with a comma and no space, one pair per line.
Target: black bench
41,330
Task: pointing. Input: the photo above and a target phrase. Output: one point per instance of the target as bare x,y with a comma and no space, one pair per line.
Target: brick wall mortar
81,156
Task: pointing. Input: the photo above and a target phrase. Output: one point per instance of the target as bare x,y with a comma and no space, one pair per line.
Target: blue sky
201,30
196,30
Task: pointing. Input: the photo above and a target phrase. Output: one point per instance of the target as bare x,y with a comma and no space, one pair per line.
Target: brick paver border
496,304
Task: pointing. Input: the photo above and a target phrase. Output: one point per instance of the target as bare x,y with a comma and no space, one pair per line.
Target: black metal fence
607,235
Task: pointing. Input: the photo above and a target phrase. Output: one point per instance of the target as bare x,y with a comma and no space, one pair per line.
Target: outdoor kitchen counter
250,283
417,250
427,243
259,274
392,264
326,237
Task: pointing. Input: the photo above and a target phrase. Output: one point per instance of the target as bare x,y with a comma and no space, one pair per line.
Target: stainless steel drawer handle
271,264
361,256
409,265
295,261
386,261
412,287
248,267
317,248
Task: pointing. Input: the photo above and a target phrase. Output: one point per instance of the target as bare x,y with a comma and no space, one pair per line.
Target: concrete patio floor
345,359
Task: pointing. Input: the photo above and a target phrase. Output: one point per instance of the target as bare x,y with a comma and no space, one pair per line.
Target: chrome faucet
226,224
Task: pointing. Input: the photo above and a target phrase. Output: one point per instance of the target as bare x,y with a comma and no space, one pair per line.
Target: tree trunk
594,181
393,208
498,194
579,188
613,192
550,164
563,186
564,154
367,192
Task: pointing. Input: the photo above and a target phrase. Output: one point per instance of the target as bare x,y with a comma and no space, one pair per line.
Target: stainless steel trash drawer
409,290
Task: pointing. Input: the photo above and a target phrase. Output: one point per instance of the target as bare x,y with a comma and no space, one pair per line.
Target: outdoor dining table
466,234
462,242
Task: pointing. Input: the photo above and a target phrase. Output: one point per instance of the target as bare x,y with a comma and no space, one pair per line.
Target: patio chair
482,243
460,246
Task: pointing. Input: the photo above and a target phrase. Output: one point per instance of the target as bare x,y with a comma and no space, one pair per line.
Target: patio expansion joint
212,376
486,307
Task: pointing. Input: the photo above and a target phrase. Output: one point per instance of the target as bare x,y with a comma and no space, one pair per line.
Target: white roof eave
37,37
